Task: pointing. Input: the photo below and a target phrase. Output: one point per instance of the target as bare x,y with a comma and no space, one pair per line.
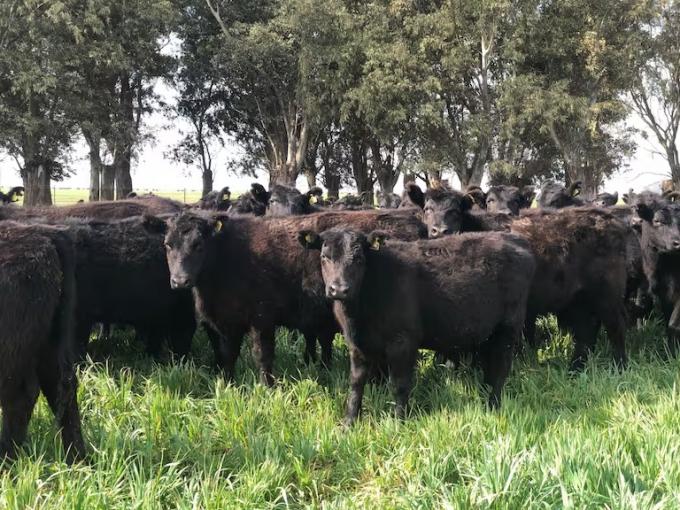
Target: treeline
342,91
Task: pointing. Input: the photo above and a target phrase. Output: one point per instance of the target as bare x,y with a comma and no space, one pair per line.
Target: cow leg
401,358
104,333
17,400
584,327
326,338
180,338
614,320
60,387
82,334
263,352
309,355
496,358
152,339
359,369
530,332
226,347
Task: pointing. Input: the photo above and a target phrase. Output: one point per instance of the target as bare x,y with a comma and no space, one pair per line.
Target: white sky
153,170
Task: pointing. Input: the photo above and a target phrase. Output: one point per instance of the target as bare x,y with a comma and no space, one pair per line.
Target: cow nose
179,282
676,244
439,231
337,290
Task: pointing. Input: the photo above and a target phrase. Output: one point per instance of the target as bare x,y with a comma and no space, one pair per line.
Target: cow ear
154,224
416,195
477,196
376,240
575,188
309,239
644,211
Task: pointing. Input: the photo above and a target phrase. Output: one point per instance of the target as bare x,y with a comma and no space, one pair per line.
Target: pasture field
173,435
68,196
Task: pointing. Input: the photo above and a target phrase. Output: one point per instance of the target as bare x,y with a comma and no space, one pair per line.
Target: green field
67,196
167,435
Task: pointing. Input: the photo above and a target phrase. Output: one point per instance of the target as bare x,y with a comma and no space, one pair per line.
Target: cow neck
226,256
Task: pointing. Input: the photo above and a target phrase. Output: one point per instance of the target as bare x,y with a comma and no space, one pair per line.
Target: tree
272,68
117,53
574,60
33,89
655,91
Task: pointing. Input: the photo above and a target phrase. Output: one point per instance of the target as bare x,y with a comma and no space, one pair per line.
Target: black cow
606,199
37,351
392,300
508,199
217,200
104,210
253,202
123,278
388,200
555,195
12,195
251,273
287,201
581,254
660,241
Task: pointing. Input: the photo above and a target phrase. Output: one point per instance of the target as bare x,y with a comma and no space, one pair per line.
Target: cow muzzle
181,282
337,291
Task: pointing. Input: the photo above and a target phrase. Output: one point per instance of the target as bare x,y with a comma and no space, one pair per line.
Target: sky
154,169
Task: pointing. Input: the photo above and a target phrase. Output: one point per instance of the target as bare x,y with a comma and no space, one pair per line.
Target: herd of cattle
392,280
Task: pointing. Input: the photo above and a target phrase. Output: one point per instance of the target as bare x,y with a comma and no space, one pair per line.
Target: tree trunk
310,175
36,184
332,181
361,172
122,175
123,160
589,179
93,142
385,171
207,177
674,164
284,174
107,182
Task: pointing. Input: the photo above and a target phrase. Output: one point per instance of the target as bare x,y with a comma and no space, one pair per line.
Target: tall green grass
173,435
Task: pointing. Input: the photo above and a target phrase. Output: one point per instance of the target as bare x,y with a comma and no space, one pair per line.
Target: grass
173,435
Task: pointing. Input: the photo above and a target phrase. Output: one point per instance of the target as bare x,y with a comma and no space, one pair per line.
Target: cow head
606,199
557,196
343,258
478,196
443,211
186,244
509,199
388,200
286,201
216,200
660,223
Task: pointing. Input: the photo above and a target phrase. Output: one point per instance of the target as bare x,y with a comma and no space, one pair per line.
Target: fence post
54,195
185,195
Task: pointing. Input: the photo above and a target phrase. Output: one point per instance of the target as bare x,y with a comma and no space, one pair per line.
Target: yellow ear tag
376,244
218,226
309,238
313,199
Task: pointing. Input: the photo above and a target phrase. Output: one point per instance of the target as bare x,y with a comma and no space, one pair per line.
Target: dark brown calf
393,300
581,256
251,273
38,294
